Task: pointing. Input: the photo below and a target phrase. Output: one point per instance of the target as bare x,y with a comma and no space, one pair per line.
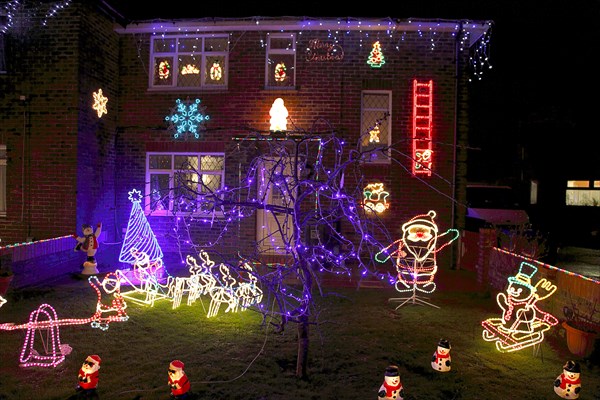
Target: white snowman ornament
441,361
391,388
568,384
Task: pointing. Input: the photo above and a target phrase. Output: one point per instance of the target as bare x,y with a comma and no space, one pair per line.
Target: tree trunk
303,342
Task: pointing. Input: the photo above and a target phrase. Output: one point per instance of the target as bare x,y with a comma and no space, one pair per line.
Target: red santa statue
391,388
568,385
88,377
440,361
89,243
178,380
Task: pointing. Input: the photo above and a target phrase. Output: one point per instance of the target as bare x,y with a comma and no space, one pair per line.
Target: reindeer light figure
226,293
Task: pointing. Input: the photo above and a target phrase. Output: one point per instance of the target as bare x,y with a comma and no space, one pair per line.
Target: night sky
539,96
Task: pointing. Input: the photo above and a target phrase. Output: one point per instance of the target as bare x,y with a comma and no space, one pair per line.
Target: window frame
284,52
171,172
176,55
582,192
366,123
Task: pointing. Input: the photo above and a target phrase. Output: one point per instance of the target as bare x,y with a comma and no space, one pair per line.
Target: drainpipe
453,249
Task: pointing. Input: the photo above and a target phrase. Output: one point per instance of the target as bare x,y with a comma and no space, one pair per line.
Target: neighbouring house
92,104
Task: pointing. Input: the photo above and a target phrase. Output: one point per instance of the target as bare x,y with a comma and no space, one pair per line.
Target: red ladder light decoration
422,117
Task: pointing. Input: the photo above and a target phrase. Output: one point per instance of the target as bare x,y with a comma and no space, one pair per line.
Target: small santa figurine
568,385
440,361
391,388
88,376
178,380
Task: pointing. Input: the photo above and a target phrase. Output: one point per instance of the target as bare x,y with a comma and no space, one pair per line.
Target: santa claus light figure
568,384
88,377
178,380
391,388
440,361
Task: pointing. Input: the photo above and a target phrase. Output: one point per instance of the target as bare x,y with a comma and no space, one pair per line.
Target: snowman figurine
391,388
178,380
440,361
568,385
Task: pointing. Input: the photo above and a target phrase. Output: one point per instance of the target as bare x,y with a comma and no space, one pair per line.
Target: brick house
64,164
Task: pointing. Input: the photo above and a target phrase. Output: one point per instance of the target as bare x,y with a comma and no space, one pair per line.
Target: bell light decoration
568,384
391,388
178,380
522,323
279,114
441,360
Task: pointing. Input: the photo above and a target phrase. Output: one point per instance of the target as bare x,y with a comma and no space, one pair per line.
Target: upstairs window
189,62
583,193
280,68
177,182
376,127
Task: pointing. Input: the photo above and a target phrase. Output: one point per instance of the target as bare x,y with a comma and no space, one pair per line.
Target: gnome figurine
178,380
391,388
440,361
88,377
568,385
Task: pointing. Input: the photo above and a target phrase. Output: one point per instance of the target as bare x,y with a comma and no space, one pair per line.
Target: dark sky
542,90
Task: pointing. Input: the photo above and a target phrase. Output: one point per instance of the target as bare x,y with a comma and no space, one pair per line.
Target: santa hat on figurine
94,359
176,365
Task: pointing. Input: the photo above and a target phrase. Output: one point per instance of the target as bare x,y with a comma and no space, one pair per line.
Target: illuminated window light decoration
522,323
374,134
139,237
422,118
190,70
279,114
415,255
375,198
280,72
216,72
376,58
164,70
100,103
187,117
45,322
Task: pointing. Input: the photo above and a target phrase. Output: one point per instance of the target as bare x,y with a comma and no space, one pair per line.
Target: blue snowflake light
187,117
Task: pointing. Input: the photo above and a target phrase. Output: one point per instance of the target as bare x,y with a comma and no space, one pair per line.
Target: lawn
238,356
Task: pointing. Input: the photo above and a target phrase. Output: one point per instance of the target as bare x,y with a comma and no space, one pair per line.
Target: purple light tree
307,195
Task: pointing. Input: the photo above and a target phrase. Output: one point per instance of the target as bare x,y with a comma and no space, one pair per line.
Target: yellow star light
100,103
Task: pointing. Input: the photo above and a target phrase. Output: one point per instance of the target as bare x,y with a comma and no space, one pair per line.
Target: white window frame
585,193
171,173
271,60
3,177
367,122
175,55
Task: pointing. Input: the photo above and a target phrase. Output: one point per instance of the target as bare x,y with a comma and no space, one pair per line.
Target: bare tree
309,189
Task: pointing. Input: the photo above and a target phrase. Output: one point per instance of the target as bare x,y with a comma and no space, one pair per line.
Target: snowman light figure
178,380
441,361
88,377
391,388
568,384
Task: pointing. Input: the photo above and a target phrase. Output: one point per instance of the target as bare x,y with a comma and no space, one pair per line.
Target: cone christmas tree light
139,236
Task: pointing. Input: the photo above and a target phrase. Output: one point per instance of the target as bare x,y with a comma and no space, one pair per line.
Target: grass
233,356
